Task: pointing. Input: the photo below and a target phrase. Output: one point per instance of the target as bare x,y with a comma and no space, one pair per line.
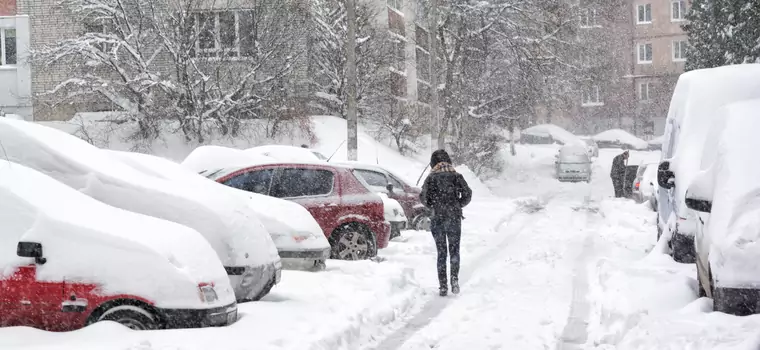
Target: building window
422,37
423,92
224,34
592,97
8,38
645,90
645,53
677,10
399,54
396,23
644,14
679,50
588,18
398,84
397,5
423,65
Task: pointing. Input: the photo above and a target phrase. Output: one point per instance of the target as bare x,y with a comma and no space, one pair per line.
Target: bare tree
208,66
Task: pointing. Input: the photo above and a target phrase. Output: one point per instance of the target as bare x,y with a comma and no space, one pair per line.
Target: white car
240,240
726,195
297,236
394,214
573,164
698,96
97,263
644,187
593,148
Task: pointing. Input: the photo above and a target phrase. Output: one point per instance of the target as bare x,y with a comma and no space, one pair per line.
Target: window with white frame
588,18
645,53
645,91
396,4
677,10
644,14
8,43
224,34
592,96
679,50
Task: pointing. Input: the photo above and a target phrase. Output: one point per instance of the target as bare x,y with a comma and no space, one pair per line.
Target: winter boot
443,291
455,286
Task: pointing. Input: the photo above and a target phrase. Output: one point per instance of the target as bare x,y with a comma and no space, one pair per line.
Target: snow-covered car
644,186
229,225
203,158
726,196
68,260
573,164
698,95
548,133
592,147
394,214
617,138
297,236
382,180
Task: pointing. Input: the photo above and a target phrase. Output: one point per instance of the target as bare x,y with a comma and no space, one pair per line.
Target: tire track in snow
575,333
530,210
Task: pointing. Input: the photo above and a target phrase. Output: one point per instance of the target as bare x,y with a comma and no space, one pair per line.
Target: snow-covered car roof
211,158
731,182
695,106
98,174
371,167
286,153
557,133
91,242
289,224
622,137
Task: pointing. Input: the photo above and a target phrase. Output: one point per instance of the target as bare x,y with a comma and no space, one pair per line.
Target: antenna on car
423,173
336,150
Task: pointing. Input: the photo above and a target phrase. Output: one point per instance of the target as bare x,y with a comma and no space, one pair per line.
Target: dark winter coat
618,167
445,191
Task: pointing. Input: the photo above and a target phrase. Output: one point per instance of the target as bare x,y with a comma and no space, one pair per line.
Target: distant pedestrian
618,173
446,192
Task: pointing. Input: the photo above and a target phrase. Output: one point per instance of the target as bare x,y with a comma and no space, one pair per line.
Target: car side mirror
701,205
31,250
390,188
665,177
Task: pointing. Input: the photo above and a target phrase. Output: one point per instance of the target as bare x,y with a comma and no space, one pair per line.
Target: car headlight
207,293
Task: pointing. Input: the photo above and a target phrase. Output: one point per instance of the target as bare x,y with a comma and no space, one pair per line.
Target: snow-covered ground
545,265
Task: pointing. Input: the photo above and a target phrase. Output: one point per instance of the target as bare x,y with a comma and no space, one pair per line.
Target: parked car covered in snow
351,216
592,147
382,180
697,97
726,196
617,138
286,153
68,260
548,133
297,236
645,185
573,164
229,225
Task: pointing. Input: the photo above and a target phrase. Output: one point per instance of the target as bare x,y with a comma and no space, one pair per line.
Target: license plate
232,317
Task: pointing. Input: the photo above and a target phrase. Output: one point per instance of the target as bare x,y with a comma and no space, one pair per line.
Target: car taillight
637,185
207,293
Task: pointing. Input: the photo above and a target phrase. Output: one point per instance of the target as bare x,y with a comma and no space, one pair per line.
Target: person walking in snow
446,192
618,173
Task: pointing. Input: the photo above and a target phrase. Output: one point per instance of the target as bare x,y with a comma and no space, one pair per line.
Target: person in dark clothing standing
446,192
618,173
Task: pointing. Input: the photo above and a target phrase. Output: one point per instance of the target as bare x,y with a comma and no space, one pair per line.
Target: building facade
15,72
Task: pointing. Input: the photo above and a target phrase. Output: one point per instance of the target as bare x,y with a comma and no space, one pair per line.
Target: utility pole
352,123
437,140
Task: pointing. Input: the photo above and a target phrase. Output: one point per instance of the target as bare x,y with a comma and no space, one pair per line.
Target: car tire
421,223
264,291
352,242
130,316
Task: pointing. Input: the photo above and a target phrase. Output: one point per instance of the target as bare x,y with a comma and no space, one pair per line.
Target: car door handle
26,302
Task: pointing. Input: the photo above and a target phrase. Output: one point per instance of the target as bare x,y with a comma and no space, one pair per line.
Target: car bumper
248,281
683,247
573,177
737,301
382,231
306,254
198,318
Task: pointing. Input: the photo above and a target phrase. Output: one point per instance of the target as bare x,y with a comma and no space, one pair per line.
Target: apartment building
659,50
15,73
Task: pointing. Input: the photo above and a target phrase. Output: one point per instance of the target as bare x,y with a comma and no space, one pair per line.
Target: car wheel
422,223
132,317
352,242
264,291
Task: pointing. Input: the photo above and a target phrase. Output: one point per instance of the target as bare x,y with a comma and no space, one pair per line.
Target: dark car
407,195
351,216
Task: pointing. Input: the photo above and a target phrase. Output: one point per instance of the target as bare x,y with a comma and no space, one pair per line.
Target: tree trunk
353,142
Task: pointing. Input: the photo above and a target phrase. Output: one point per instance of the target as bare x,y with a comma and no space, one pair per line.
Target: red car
351,216
382,180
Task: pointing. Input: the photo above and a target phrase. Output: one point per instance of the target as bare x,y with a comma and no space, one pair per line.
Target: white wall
16,80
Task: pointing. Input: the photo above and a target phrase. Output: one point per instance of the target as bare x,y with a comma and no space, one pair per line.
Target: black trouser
617,183
447,231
